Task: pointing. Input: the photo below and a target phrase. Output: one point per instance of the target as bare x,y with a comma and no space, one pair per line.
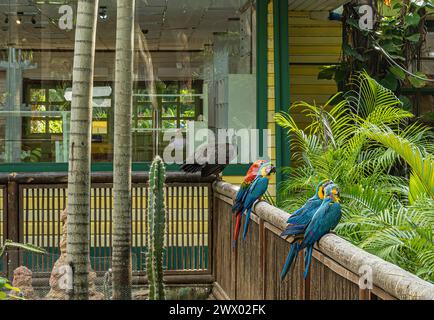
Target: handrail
387,276
99,177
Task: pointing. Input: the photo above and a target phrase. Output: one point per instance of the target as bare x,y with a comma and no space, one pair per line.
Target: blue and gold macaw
298,222
238,205
325,219
306,212
256,190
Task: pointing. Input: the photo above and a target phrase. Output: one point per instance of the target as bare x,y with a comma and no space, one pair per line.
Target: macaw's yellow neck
321,193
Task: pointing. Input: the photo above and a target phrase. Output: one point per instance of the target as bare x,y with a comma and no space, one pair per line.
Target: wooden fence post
365,294
12,224
262,255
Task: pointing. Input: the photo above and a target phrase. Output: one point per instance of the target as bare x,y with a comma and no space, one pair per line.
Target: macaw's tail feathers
293,230
236,229
191,168
237,206
290,259
246,223
307,258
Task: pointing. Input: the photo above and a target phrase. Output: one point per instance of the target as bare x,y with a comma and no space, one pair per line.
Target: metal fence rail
35,203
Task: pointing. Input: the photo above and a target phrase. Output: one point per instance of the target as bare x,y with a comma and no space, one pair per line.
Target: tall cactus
156,230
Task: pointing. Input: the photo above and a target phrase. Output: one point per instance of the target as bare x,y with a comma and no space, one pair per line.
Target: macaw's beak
273,169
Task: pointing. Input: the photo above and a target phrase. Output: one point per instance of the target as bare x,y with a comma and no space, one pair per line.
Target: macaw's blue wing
293,230
290,258
316,225
238,202
326,218
256,190
306,212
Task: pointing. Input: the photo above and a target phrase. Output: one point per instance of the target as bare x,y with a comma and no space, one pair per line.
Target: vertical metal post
13,224
65,128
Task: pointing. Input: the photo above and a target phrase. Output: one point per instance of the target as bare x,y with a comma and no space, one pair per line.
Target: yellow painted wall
312,44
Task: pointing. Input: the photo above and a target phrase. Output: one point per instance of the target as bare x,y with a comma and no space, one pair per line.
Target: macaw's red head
254,168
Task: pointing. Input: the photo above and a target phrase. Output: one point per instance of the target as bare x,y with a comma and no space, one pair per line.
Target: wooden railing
338,269
198,239
31,205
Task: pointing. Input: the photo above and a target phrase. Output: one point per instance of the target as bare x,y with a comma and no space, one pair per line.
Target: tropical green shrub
383,164
156,228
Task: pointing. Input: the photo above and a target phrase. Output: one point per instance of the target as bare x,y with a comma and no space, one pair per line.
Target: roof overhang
315,5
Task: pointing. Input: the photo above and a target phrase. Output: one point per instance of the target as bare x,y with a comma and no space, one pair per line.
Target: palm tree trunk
80,143
121,260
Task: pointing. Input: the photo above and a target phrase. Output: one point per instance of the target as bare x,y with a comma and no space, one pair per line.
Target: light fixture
19,19
103,13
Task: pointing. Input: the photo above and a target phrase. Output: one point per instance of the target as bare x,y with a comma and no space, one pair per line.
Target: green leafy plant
156,228
383,165
5,290
25,246
388,52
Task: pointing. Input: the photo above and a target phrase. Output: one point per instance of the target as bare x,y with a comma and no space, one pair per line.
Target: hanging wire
393,62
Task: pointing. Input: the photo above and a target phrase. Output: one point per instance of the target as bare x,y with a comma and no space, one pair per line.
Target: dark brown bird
209,159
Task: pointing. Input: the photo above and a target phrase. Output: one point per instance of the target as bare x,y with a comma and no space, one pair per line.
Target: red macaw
256,190
242,192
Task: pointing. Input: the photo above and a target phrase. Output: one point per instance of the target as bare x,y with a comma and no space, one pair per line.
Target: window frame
231,170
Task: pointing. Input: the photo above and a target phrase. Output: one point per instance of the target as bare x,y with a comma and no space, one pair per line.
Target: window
194,61
176,105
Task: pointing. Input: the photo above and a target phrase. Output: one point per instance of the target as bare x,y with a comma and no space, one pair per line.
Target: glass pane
142,95
187,95
187,111
56,95
169,124
38,126
39,107
99,127
144,111
100,113
56,126
170,93
37,95
193,60
144,124
169,111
